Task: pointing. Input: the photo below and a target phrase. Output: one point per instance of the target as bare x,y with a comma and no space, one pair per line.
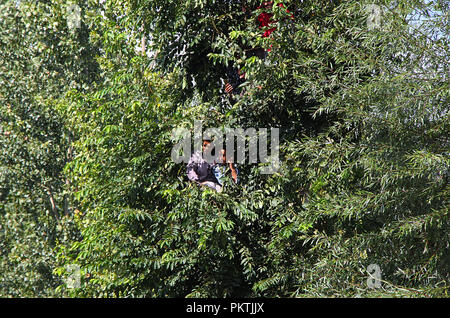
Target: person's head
206,143
223,154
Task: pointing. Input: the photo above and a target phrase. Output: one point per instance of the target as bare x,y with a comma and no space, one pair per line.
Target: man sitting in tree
225,167
209,174
200,171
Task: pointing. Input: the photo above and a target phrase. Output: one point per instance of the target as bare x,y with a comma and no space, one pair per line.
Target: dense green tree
364,163
40,59
363,116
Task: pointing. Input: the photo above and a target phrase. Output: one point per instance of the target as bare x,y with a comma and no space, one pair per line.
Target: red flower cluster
265,19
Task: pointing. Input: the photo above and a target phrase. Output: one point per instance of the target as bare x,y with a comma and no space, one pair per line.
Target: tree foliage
364,149
40,59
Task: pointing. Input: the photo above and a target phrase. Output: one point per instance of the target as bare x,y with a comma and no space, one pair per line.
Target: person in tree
201,172
224,168
210,175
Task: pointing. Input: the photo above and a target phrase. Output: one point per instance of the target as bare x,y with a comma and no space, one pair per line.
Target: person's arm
234,172
228,88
